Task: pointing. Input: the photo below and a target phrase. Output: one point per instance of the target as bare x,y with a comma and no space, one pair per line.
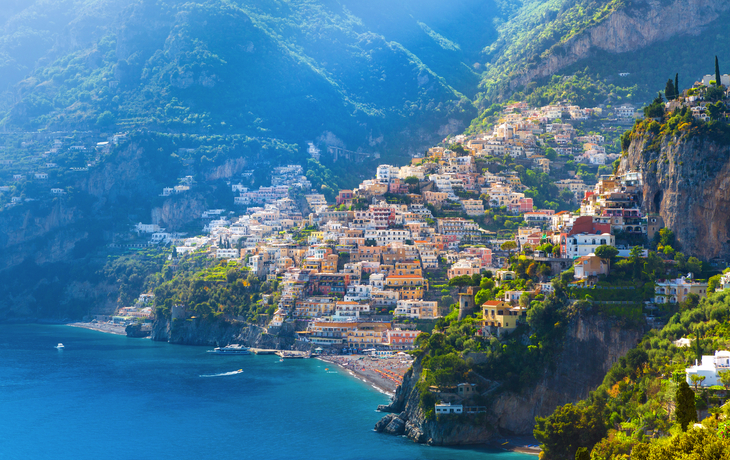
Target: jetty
284,354
263,351
287,354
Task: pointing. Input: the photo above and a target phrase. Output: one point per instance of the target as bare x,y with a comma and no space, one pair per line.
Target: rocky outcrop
198,331
686,180
178,210
591,346
636,26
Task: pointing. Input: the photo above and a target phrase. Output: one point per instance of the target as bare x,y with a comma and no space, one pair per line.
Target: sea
111,397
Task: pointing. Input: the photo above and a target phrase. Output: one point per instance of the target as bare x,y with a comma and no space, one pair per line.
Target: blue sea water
111,397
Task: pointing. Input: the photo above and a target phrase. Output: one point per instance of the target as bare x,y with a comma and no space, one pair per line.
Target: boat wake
223,374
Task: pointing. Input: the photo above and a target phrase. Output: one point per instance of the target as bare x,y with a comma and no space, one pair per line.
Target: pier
263,351
284,354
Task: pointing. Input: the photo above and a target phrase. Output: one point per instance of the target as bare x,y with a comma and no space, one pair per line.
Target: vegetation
640,392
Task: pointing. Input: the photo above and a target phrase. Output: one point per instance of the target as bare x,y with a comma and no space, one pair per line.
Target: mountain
574,50
368,76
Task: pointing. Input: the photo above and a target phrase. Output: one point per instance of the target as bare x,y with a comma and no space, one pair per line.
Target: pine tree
676,84
685,412
718,80
669,91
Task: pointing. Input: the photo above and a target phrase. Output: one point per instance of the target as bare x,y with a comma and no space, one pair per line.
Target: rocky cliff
223,332
686,180
635,26
591,346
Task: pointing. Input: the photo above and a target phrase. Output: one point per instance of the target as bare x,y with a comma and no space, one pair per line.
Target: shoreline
366,375
101,327
363,372
519,444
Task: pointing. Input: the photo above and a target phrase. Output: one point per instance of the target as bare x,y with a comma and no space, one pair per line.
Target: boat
234,349
59,346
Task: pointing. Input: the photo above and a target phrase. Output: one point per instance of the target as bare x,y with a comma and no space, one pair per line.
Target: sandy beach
384,373
101,327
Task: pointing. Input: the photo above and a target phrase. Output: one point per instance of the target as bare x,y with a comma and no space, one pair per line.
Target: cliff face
591,346
687,182
220,333
628,29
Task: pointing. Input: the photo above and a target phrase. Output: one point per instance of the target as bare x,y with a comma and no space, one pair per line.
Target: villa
710,367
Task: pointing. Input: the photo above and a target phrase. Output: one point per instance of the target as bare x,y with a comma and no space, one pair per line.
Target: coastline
365,370
101,327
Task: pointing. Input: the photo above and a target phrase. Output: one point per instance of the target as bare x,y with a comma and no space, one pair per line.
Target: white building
231,253
625,111
417,309
357,292
385,237
147,228
386,173
583,244
725,281
710,367
448,408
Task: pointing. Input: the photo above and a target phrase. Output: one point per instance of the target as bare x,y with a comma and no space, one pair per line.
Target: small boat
234,349
59,346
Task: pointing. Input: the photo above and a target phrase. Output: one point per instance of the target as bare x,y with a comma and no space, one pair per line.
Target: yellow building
367,334
408,268
314,307
676,291
329,263
500,314
312,263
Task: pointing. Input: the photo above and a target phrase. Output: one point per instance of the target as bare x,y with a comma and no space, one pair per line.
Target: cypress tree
582,454
669,91
676,84
685,412
718,80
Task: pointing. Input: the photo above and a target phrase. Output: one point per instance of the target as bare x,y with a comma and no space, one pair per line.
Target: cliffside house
590,265
448,408
676,291
710,367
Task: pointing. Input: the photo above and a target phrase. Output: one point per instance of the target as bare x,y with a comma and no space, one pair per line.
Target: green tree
725,378
582,454
685,403
676,84
508,246
525,300
656,108
105,119
607,253
718,80
669,91
715,110
697,380
568,428
482,296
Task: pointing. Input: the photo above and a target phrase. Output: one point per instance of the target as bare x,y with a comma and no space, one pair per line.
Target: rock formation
636,26
591,346
686,180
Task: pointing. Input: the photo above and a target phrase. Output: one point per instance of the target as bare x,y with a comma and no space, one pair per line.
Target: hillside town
390,257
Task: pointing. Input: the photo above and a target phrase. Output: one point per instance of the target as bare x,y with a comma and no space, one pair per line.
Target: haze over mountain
208,89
